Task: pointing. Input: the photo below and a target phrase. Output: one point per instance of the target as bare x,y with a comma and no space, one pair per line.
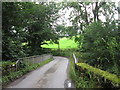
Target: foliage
41,28
100,46
27,26
112,77
86,76
11,31
65,53
14,75
64,43
98,39
7,67
80,80
26,22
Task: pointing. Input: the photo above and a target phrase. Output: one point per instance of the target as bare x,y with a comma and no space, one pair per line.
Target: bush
7,67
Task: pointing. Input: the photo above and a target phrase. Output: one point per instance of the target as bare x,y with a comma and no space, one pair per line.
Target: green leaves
100,46
26,22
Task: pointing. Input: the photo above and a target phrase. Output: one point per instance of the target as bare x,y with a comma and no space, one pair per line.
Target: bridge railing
32,60
103,77
75,61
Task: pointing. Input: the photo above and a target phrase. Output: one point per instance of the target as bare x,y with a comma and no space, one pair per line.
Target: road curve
51,75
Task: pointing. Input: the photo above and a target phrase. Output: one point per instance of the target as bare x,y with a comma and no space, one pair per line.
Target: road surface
51,75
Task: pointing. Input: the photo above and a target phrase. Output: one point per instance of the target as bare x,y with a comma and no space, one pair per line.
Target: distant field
65,43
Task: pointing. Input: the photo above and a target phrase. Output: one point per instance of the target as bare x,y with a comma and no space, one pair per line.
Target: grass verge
79,80
15,75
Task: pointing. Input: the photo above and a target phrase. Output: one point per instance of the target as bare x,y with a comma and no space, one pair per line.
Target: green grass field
65,43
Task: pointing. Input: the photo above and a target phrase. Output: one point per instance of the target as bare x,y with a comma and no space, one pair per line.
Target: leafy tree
96,37
101,47
41,29
25,26
11,34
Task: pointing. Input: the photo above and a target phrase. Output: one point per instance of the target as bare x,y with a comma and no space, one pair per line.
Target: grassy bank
80,81
15,75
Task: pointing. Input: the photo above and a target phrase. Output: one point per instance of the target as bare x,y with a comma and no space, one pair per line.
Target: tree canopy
25,26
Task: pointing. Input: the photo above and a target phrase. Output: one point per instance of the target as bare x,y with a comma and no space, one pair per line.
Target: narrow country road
51,75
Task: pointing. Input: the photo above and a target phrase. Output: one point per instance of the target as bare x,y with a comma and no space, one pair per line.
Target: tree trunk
96,10
86,16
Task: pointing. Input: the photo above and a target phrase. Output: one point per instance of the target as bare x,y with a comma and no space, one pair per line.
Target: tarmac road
51,75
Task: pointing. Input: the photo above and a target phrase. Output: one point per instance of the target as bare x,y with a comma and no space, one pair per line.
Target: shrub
7,67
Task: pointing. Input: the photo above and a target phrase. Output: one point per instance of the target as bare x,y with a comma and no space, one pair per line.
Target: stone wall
38,58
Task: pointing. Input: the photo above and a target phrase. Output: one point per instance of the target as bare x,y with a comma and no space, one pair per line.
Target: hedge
112,77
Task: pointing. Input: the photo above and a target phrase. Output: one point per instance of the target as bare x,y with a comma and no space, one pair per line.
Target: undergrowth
15,75
79,80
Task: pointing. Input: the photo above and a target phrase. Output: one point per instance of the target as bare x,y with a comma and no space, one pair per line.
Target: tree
41,29
95,10
29,24
11,34
100,46
96,37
